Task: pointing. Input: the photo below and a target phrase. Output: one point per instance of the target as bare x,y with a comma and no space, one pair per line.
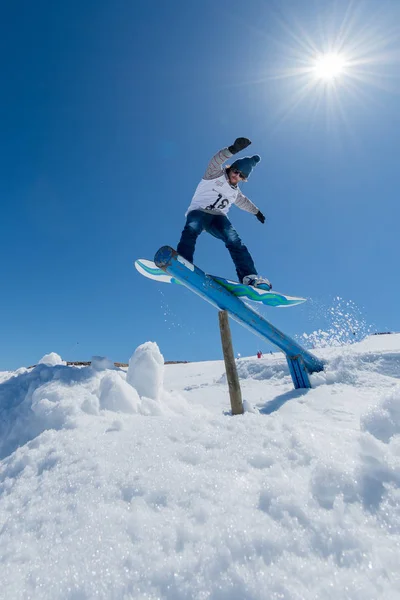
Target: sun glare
346,56
329,66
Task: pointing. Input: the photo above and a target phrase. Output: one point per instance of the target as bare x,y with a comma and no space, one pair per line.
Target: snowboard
270,298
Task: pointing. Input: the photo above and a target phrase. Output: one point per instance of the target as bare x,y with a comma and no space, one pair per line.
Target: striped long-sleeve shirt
215,194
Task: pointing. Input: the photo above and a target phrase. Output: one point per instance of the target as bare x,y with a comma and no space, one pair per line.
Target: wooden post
230,365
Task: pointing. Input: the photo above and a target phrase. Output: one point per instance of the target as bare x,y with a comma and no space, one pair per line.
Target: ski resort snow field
138,483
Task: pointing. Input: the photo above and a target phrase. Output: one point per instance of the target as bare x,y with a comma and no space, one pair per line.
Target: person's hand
260,217
238,145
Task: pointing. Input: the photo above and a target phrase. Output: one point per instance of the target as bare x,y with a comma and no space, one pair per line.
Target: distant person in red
259,354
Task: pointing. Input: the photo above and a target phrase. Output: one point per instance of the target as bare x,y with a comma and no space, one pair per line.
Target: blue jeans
221,228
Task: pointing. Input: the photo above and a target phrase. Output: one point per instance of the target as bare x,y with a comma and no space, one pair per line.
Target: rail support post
235,393
298,371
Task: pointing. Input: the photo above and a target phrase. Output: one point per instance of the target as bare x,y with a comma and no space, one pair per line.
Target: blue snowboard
269,298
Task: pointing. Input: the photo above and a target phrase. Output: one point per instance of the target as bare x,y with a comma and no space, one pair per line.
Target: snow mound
51,359
383,420
358,367
378,474
55,396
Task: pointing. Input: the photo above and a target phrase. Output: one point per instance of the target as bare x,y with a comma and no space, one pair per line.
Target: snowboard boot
258,282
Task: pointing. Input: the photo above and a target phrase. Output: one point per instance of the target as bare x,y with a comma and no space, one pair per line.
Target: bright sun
341,60
329,66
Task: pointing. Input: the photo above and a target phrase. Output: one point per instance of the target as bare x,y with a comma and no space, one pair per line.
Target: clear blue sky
109,114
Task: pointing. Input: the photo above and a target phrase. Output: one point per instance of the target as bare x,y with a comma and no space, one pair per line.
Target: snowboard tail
150,270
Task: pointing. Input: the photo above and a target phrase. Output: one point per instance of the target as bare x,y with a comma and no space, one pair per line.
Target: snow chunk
146,371
248,407
117,395
52,360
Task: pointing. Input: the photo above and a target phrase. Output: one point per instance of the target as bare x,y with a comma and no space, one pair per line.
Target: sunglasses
237,172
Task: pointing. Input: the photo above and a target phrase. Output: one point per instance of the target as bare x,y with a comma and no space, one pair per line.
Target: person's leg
193,228
222,228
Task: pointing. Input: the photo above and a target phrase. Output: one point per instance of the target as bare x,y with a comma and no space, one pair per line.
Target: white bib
214,194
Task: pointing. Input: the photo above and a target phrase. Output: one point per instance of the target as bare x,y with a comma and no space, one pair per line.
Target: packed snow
139,483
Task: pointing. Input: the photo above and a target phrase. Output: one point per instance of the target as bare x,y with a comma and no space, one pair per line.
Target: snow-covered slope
139,484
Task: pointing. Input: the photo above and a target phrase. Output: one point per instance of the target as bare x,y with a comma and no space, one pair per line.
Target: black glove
238,145
260,217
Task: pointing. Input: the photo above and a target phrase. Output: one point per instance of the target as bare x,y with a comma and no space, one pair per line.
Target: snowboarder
214,196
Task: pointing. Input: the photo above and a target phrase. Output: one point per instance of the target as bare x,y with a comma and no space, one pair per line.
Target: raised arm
214,168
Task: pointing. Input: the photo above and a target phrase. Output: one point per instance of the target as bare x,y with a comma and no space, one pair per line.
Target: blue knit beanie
246,165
